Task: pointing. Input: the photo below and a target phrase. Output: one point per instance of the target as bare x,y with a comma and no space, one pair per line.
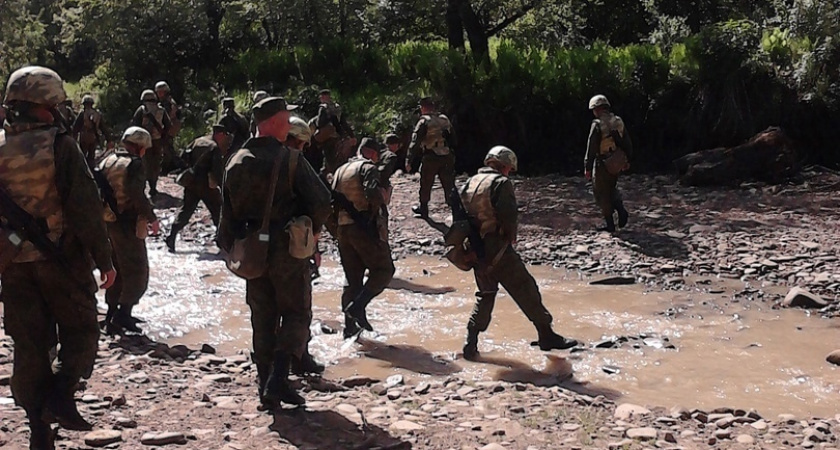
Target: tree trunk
454,25
475,33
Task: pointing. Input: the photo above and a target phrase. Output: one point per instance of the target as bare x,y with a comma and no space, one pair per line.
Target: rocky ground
147,395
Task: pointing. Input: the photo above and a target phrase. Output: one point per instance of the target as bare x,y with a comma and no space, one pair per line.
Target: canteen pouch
301,237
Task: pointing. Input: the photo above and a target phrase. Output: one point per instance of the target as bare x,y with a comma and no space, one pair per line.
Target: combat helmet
162,85
300,129
148,96
598,100
88,99
503,155
137,136
35,84
260,96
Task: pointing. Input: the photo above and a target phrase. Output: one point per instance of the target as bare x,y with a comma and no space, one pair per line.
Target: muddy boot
306,365
122,318
277,389
356,309
549,340
421,210
62,406
609,224
42,436
471,347
623,216
263,370
351,328
170,241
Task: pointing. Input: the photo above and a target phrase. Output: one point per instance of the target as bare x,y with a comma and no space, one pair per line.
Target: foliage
22,40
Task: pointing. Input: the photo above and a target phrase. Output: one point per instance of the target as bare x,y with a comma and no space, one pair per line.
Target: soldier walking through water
128,214
431,150
154,119
607,150
488,204
53,236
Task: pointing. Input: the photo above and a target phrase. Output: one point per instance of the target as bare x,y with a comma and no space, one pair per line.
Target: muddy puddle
710,353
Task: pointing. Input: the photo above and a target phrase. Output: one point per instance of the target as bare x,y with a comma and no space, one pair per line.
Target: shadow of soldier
655,245
558,372
328,430
409,357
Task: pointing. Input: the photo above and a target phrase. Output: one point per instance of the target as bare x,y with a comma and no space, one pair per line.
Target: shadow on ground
329,430
409,357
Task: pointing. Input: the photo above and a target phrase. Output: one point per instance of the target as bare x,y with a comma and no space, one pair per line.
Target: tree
22,39
481,21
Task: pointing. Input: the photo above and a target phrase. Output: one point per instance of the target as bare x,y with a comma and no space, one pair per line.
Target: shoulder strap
294,157
275,172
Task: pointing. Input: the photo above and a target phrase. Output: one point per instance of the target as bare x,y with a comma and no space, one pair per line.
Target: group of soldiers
64,214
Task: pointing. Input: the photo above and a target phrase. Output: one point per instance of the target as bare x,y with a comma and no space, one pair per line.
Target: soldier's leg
429,168
618,205
113,293
354,274
133,261
375,255
152,161
485,301
89,150
188,208
603,187
293,290
260,296
213,201
447,177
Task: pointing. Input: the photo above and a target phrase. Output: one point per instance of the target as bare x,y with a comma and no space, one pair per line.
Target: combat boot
42,436
170,241
306,365
356,309
122,318
62,406
549,340
609,224
351,328
471,346
421,210
277,389
623,216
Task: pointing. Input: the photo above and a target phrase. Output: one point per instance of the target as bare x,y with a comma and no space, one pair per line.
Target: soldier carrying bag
302,242
248,257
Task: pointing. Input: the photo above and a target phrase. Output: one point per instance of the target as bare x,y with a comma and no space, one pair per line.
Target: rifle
29,228
459,214
368,224
106,190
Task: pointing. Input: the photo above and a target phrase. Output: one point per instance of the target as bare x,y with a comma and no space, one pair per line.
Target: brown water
742,355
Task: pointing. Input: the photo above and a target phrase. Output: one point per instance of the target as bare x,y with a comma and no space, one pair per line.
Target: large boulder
769,156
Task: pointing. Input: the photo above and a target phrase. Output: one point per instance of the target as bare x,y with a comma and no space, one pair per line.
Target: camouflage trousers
511,273
211,198
442,167
281,306
361,253
131,262
605,189
152,162
45,305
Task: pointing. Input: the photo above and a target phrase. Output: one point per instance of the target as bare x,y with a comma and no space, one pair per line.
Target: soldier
154,119
490,204
362,235
164,94
128,214
431,150
90,129
234,123
258,97
331,133
283,295
606,135
67,113
48,288
206,157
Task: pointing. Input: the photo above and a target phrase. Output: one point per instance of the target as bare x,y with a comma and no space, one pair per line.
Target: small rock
5,379
125,422
422,388
101,438
571,427
745,439
394,381
834,357
626,443
642,434
138,377
759,425
800,298
493,446
613,281
465,391
394,394
218,378
205,348
165,438
406,425
627,410
118,401
358,381
723,434
789,419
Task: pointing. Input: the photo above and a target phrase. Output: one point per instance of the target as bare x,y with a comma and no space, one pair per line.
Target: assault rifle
29,228
368,224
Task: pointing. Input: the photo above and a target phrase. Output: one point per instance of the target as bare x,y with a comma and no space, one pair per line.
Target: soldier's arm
81,202
224,236
323,117
202,167
167,124
135,186
314,194
137,120
450,137
626,143
504,200
592,146
387,166
370,183
417,137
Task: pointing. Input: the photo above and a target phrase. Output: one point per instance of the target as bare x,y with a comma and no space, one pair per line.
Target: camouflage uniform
331,128
207,165
126,228
284,295
67,113
236,125
47,301
431,144
154,119
90,128
360,181
170,160
601,143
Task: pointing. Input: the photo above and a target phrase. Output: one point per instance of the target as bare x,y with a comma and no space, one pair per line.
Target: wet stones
800,298
102,438
628,410
642,434
164,438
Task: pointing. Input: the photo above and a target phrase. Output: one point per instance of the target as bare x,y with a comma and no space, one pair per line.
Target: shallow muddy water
742,355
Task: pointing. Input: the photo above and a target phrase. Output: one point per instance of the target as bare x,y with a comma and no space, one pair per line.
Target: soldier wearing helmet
67,113
153,118
489,201
90,129
235,123
607,150
49,299
206,157
173,110
362,233
128,214
431,150
333,135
